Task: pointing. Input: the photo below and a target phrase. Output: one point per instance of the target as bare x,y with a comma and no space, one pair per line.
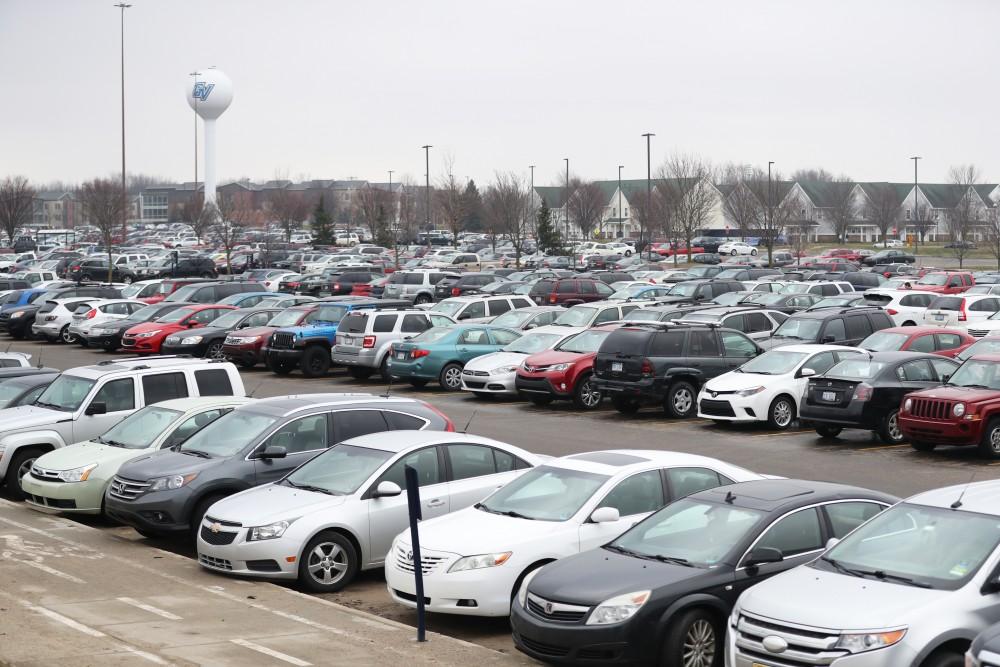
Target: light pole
427,188
770,214
621,214
534,215
393,227
195,74
566,209
649,194
916,159
123,6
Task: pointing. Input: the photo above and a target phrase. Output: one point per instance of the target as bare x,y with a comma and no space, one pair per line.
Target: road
855,458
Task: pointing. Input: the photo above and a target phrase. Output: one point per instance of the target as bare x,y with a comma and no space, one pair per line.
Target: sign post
413,501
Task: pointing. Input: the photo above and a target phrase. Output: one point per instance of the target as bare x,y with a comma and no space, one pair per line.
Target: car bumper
267,559
50,329
103,339
543,385
157,512
413,369
197,350
733,408
69,497
893,656
271,353
490,384
480,595
243,353
852,416
578,643
643,389
941,432
141,345
348,356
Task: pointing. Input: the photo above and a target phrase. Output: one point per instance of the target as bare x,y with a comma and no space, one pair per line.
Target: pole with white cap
209,96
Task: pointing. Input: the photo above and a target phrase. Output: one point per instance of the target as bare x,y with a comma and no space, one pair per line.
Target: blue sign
202,91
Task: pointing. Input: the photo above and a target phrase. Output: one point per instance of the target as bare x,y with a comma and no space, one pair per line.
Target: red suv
168,287
936,340
843,253
966,411
245,346
945,282
148,337
568,291
564,373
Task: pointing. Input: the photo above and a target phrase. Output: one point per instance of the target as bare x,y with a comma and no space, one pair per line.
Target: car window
503,337
603,290
164,386
302,435
757,322
685,481
642,492
498,306
737,345
352,423
923,343
915,371
944,368
475,309
606,315
794,534
117,395
426,463
399,421
473,337
192,425
667,344
703,343
845,517
213,382
948,341
470,461
414,324
983,305
821,363
384,323
566,287
436,320
858,326
734,322
835,329
587,287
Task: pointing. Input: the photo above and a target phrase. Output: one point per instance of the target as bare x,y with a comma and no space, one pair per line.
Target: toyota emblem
215,527
548,607
715,394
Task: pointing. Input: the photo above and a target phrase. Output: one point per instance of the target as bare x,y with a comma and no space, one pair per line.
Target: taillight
416,354
862,392
961,313
449,425
336,286
456,292
91,313
368,341
552,298
647,368
891,311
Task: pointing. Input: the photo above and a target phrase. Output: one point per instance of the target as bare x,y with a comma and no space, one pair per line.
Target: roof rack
111,362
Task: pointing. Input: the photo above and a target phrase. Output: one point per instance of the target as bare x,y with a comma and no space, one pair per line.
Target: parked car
702,289
530,317
961,310
18,321
568,291
496,372
23,386
97,269
101,312
641,292
945,282
213,292
669,584
169,286
108,334
840,301
744,274
842,326
822,288
668,313
457,285
365,337
565,372
415,286
757,323
440,354
478,308
905,307
889,257
782,302
207,341
737,248
336,281
148,338
245,299
593,314
945,342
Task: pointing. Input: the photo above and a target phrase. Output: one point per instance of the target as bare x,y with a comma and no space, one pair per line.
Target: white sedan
495,373
768,388
737,248
473,561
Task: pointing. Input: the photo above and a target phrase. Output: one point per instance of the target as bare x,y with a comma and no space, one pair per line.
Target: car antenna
730,497
39,355
958,503
254,390
469,423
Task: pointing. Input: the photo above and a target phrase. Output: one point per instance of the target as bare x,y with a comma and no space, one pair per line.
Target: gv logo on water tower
202,90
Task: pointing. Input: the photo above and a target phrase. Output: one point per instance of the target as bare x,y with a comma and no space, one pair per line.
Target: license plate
758,664
829,396
616,367
401,355
940,317
348,340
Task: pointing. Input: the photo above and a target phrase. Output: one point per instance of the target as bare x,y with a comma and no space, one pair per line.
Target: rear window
164,387
625,341
946,303
213,382
353,323
860,369
877,299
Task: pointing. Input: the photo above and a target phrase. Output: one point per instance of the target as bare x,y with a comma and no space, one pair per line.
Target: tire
539,400
20,464
66,337
281,367
109,346
451,377
989,446
359,372
888,429
585,395
828,431
781,414
944,659
626,406
681,401
733,253
753,252
628,253
922,446
418,382
422,299
328,563
909,323
214,351
315,362
694,640
247,364
200,510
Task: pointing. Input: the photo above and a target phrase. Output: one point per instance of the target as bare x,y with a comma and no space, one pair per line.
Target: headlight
269,532
907,404
503,370
869,641
618,609
170,340
77,474
559,367
959,409
192,340
16,313
171,482
479,562
241,340
522,592
750,392
734,617
148,334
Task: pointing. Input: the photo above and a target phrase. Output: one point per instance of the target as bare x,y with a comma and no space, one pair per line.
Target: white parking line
271,652
151,609
59,618
50,570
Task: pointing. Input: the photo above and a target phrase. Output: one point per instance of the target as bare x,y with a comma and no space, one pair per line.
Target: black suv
843,326
97,269
17,321
465,283
185,267
666,363
335,281
702,290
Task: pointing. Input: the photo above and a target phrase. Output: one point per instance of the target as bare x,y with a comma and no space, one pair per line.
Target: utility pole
566,210
392,221
649,194
621,214
427,187
916,201
123,6
770,211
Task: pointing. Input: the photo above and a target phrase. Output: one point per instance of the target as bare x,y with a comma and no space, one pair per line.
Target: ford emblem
775,644
409,556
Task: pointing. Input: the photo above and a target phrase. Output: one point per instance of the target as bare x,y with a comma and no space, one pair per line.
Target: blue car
440,353
21,297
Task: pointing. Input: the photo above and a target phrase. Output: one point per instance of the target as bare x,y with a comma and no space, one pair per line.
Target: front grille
471,384
927,408
481,374
222,522
216,563
283,341
45,475
556,611
806,647
544,649
217,538
717,408
428,563
128,341
232,340
126,489
263,565
55,503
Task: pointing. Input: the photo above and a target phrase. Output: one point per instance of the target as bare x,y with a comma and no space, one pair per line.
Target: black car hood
200,331
572,579
166,462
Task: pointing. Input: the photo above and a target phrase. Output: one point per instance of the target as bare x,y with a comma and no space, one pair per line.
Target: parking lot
855,458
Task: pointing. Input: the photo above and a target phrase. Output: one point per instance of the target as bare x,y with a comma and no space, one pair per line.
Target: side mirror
605,515
806,373
192,324
762,555
832,542
273,452
827,339
945,378
387,490
96,408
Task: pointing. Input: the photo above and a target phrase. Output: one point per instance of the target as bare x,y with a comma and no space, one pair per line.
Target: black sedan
661,593
865,392
889,256
109,334
207,341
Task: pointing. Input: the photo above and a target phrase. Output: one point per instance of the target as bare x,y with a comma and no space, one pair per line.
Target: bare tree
195,213
231,215
105,202
777,212
814,174
686,184
368,201
507,205
651,213
16,205
740,205
586,206
843,207
450,202
882,207
288,208
968,210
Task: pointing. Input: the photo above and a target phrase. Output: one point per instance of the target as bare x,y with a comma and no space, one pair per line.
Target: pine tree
472,206
322,225
546,234
383,235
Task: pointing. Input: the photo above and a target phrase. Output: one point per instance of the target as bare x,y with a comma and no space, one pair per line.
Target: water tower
210,95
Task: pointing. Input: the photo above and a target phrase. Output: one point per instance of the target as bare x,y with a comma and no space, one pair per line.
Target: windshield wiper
517,515
196,452
51,406
842,569
112,443
317,489
622,550
969,386
671,559
900,578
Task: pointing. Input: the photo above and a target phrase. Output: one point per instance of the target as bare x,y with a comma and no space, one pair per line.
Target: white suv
365,335
905,306
912,587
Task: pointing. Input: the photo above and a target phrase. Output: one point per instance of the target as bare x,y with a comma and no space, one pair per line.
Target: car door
388,516
302,438
799,535
119,400
474,473
737,349
473,342
635,497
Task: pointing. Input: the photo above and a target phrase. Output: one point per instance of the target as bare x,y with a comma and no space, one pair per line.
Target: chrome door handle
437,502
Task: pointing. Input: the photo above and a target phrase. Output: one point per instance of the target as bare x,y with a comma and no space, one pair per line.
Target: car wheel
889,431
418,382
422,299
328,563
214,351
922,446
198,515
693,641
733,253
109,346
828,431
626,406
586,396
681,401
65,336
359,372
383,369
628,253
781,414
451,377
20,465
989,446
315,362
944,659
753,252
539,400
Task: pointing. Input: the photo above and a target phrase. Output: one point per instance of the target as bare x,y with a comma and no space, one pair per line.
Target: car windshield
729,298
331,314
983,346
513,318
884,341
66,393
140,429
448,307
584,342
774,362
286,318
532,343
577,316
629,292
431,335
175,315
831,301
229,320
228,434
184,293
933,279
644,315
910,544
801,328
697,533
856,369
10,391
546,493
132,290
795,288
340,470
683,289
977,373
729,274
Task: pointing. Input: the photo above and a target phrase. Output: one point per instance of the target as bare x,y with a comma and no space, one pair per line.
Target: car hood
273,502
470,531
155,326
166,462
488,362
200,331
85,453
29,416
733,381
254,331
771,343
569,579
968,394
551,357
559,329
849,603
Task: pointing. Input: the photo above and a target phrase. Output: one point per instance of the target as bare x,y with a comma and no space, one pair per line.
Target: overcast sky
328,89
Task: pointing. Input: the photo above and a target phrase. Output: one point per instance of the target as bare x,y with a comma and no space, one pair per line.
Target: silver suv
364,337
416,285
912,587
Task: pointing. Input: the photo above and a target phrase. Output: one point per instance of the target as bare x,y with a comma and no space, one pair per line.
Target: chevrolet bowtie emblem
215,527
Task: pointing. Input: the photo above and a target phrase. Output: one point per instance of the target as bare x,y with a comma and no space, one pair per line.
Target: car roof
896,356
981,497
823,313
283,406
201,402
624,461
102,368
813,347
769,495
399,441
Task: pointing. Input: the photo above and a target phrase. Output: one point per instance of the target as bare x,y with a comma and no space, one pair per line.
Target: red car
148,337
168,287
564,373
937,340
671,249
244,347
945,282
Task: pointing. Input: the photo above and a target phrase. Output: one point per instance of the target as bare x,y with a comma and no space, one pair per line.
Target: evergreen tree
322,225
383,235
546,234
472,207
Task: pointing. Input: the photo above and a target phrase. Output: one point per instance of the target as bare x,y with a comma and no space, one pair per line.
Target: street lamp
916,221
195,74
621,216
427,203
393,226
566,208
649,195
123,6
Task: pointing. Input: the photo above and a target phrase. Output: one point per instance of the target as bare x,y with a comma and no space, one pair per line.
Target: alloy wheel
327,563
699,644
683,400
24,469
215,351
589,395
782,413
995,440
453,378
892,427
